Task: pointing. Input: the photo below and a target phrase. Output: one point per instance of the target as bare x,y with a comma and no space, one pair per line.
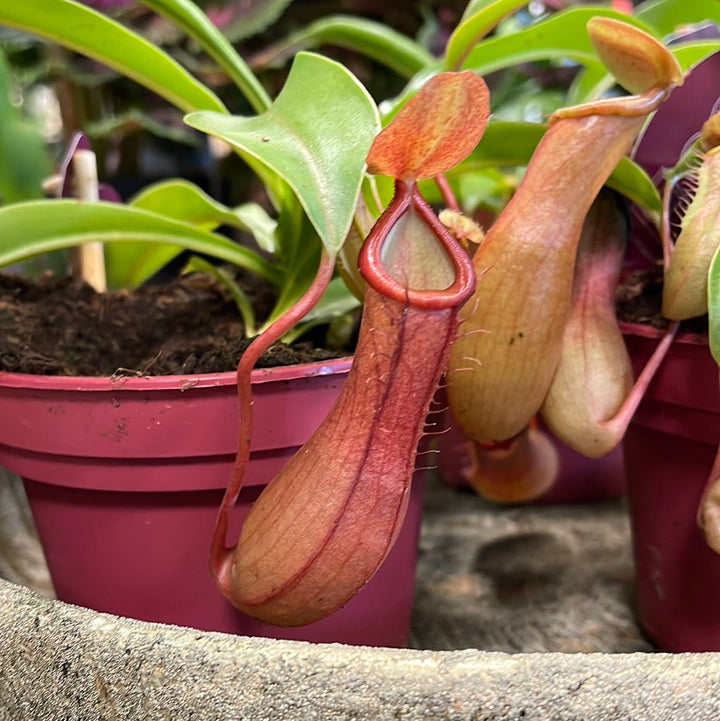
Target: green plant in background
171,216
25,157
177,215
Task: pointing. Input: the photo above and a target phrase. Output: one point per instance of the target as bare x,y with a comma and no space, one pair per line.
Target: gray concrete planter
64,662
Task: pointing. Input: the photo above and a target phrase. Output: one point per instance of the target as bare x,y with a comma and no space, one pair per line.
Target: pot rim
171,382
648,331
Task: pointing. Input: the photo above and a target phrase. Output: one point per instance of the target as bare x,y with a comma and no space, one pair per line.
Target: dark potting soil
639,300
190,325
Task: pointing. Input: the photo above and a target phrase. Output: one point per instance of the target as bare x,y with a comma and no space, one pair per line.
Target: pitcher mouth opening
372,267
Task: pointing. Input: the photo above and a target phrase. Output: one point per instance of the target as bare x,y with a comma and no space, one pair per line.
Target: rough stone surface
524,579
21,557
64,662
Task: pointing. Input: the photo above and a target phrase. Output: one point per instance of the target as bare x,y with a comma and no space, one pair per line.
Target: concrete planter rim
76,663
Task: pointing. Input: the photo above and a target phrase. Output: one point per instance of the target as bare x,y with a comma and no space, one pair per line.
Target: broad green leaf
41,226
489,188
370,38
630,180
589,84
185,201
473,7
561,36
714,307
90,33
299,270
188,16
665,16
474,27
315,136
130,264
336,300
528,103
254,219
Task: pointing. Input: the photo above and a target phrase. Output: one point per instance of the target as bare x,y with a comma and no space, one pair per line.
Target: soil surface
54,326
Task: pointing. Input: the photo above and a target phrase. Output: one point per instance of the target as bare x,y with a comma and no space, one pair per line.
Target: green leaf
188,16
25,158
475,26
315,136
254,219
185,201
635,184
299,270
690,54
197,25
252,18
40,226
336,300
86,31
130,264
373,39
589,84
665,16
561,36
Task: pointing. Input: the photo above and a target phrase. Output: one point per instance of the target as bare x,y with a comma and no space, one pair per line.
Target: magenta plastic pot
579,479
125,476
669,451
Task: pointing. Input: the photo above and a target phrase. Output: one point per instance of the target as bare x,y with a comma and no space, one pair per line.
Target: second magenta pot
669,451
124,478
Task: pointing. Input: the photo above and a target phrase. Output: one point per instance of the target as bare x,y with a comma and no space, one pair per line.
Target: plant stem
446,191
220,555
